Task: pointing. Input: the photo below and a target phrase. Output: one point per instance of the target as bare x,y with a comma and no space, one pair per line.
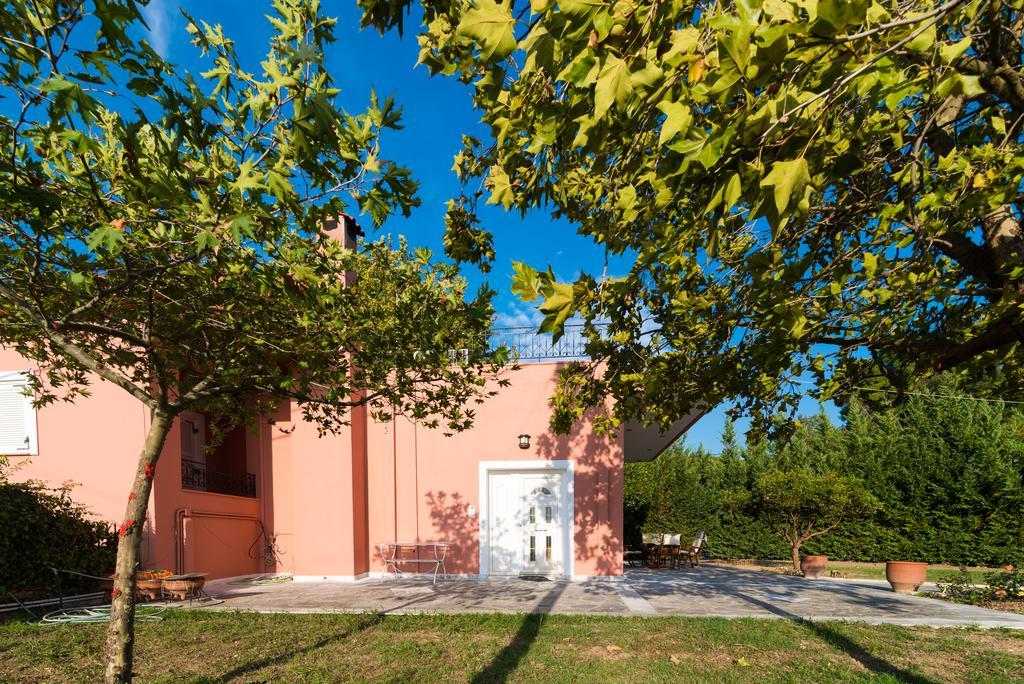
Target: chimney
345,230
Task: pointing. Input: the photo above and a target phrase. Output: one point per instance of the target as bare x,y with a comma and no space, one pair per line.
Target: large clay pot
905,576
150,589
184,586
813,567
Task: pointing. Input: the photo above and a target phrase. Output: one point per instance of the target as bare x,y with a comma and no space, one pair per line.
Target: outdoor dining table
391,555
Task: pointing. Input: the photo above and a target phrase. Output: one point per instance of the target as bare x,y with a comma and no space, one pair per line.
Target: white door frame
564,468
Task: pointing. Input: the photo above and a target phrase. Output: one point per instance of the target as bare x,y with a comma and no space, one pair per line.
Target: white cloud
158,16
518,315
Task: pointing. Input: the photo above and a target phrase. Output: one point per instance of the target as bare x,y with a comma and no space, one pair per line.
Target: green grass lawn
222,647
934,574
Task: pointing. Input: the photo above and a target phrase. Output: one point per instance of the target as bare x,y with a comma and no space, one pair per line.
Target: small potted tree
800,506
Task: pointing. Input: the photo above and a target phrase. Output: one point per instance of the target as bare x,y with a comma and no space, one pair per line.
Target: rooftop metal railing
527,344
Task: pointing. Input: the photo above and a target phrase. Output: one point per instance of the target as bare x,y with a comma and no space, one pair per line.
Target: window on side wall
17,416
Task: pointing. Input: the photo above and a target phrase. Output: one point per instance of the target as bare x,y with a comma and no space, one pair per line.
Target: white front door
526,523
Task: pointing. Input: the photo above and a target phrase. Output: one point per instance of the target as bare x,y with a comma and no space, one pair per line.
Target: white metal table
391,555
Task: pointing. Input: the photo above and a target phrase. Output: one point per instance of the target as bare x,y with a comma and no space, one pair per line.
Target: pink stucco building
278,497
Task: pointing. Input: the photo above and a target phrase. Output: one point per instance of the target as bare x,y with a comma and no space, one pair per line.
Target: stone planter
813,567
149,584
150,589
183,587
905,576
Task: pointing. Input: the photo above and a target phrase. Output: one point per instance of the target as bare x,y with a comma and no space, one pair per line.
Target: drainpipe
179,540
394,472
416,466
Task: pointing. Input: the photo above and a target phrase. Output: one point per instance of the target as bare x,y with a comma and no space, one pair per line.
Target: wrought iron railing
527,344
194,475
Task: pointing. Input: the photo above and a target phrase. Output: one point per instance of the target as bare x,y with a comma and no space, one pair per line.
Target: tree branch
77,353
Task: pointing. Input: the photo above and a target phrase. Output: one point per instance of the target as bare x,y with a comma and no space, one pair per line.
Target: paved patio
705,591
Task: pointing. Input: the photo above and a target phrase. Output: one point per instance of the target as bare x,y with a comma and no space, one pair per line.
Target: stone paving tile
417,596
705,591
725,591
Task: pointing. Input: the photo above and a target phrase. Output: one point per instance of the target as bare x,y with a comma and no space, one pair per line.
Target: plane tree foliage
164,231
807,190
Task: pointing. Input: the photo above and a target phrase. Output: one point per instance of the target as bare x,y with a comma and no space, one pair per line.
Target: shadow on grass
508,659
364,622
835,638
870,662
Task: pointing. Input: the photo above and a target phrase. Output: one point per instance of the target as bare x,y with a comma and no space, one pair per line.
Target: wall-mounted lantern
524,441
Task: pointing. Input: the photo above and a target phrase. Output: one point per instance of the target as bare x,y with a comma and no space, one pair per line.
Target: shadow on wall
448,512
597,470
597,526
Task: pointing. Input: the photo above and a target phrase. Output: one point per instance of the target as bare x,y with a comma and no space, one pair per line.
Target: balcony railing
194,475
527,344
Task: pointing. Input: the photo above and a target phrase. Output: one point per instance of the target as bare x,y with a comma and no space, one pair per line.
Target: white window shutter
17,416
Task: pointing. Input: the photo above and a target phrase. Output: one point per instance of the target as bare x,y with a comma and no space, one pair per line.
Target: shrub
1002,585
43,527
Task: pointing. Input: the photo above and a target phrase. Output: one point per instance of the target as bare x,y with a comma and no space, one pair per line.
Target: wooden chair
693,553
670,549
652,549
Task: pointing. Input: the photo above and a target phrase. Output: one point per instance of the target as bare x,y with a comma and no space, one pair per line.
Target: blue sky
437,112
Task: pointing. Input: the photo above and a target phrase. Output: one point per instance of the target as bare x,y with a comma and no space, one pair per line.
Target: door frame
563,468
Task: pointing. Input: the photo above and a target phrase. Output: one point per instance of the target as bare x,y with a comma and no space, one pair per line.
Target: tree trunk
795,546
121,629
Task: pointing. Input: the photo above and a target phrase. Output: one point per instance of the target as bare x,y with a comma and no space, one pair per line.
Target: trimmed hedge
42,527
947,474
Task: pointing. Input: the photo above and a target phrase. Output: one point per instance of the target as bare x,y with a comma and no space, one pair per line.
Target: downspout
416,468
394,473
179,540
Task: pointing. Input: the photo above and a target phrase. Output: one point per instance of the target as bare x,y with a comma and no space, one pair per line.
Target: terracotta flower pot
905,576
184,586
150,589
813,567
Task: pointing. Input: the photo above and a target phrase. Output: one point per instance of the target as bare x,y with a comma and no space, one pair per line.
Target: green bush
946,473
1002,585
42,527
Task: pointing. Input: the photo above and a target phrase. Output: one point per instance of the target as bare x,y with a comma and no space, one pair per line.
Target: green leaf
501,188
581,71
580,8
924,40
526,281
838,14
613,85
787,178
677,120
733,190
683,42
558,307
970,86
491,25
870,264
950,51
